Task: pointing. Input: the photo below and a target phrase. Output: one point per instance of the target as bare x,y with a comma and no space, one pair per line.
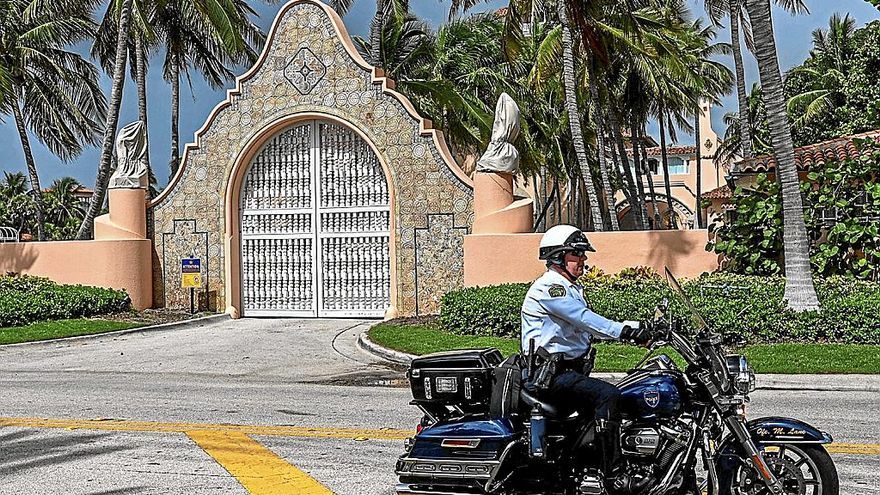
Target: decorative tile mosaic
422,185
305,71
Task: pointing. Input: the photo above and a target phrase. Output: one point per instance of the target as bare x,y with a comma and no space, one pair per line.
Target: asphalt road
331,405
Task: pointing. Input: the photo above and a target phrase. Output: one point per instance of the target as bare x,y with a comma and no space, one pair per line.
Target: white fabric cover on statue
131,158
501,156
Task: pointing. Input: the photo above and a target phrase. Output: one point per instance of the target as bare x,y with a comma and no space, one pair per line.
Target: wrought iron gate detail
315,226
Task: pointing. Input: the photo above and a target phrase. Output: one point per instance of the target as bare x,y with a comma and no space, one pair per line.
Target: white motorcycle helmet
561,239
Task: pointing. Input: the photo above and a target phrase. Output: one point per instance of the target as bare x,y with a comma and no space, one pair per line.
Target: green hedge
25,300
749,307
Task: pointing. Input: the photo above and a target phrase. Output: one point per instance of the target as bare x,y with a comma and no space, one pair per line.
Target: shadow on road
122,491
25,450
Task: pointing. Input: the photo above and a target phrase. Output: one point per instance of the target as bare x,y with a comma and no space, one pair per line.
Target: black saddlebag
506,386
460,379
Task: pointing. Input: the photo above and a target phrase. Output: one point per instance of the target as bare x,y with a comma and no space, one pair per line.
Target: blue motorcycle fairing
778,429
494,436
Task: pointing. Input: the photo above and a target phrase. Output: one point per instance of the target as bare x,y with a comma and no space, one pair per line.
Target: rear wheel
802,469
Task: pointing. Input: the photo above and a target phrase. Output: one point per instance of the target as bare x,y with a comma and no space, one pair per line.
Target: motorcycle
682,431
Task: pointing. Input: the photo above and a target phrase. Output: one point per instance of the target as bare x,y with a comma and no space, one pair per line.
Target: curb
765,381
376,350
174,325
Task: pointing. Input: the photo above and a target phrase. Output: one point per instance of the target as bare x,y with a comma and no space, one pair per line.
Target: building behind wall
682,176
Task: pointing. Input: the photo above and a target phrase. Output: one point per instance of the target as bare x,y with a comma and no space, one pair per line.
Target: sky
792,36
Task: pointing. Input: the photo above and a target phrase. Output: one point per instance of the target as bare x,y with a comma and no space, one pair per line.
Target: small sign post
191,278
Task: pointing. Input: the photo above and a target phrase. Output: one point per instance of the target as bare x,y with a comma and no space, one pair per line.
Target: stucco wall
122,264
504,258
431,200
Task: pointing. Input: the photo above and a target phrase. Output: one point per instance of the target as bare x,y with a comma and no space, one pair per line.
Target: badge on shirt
556,290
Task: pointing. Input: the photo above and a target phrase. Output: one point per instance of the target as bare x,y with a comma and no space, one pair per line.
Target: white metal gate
315,224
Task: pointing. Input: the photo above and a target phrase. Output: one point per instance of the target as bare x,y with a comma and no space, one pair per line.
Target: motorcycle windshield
696,317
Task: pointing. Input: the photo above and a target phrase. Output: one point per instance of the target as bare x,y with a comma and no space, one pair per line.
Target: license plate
447,384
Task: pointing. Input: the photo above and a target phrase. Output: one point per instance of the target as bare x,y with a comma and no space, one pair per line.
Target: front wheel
802,469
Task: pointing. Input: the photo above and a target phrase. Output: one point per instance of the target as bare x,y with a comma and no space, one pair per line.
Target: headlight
741,374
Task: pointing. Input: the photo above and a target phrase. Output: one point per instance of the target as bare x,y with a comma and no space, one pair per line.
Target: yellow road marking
290,431
259,471
854,448
150,426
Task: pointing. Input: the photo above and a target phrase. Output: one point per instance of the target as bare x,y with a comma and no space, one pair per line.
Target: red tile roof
670,150
722,192
812,155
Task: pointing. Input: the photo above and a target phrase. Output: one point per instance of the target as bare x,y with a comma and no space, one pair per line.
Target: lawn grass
57,329
765,358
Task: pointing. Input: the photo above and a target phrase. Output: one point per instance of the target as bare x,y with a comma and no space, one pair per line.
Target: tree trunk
627,191
103,177
637,208
31,164
141,79
637,164
600,142
799,289
547,203
657,221
574,122
698,211
670,212
745,129
175,116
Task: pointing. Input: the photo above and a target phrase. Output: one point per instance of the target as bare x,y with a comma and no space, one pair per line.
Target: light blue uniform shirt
556,315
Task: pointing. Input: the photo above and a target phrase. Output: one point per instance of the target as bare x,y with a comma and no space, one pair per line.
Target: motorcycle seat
550,410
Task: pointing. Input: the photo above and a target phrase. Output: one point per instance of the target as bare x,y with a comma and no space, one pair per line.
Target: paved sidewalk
825,383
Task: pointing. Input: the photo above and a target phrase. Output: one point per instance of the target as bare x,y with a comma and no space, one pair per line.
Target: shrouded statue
131,158
501,155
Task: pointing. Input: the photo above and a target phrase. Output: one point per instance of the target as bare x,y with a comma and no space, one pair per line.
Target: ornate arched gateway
315,189
315,226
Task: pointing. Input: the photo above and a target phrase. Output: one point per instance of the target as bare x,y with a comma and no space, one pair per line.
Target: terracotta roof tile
722,192
670,150
810,156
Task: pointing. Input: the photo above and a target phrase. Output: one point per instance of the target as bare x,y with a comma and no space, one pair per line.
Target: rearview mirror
661,309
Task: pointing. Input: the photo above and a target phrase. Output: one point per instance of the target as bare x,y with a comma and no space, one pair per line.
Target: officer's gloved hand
639,333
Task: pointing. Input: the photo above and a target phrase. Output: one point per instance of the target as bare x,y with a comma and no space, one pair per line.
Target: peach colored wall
117,264
503,258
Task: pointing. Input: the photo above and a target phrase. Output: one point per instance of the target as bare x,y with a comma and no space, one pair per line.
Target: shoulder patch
556,290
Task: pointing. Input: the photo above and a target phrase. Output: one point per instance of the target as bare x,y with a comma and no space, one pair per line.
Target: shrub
742,306
492,311
25,299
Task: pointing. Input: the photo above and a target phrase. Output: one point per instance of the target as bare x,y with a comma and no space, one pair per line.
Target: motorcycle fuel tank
650,395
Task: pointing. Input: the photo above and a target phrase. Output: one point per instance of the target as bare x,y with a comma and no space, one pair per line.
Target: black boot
608,436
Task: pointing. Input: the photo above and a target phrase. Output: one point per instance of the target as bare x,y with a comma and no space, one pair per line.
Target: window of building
653,165
677,166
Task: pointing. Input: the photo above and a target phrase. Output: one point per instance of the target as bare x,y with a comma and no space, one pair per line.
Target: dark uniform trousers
590,397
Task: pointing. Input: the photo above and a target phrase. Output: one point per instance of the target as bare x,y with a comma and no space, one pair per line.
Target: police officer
556,315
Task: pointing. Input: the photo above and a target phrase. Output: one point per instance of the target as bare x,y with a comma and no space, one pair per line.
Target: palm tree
103,175
63,210
825,71
730,145
16,205
734,10
712,80
200,34
799,289
573,111
50,91
599,120
141,41
398,40
209,43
